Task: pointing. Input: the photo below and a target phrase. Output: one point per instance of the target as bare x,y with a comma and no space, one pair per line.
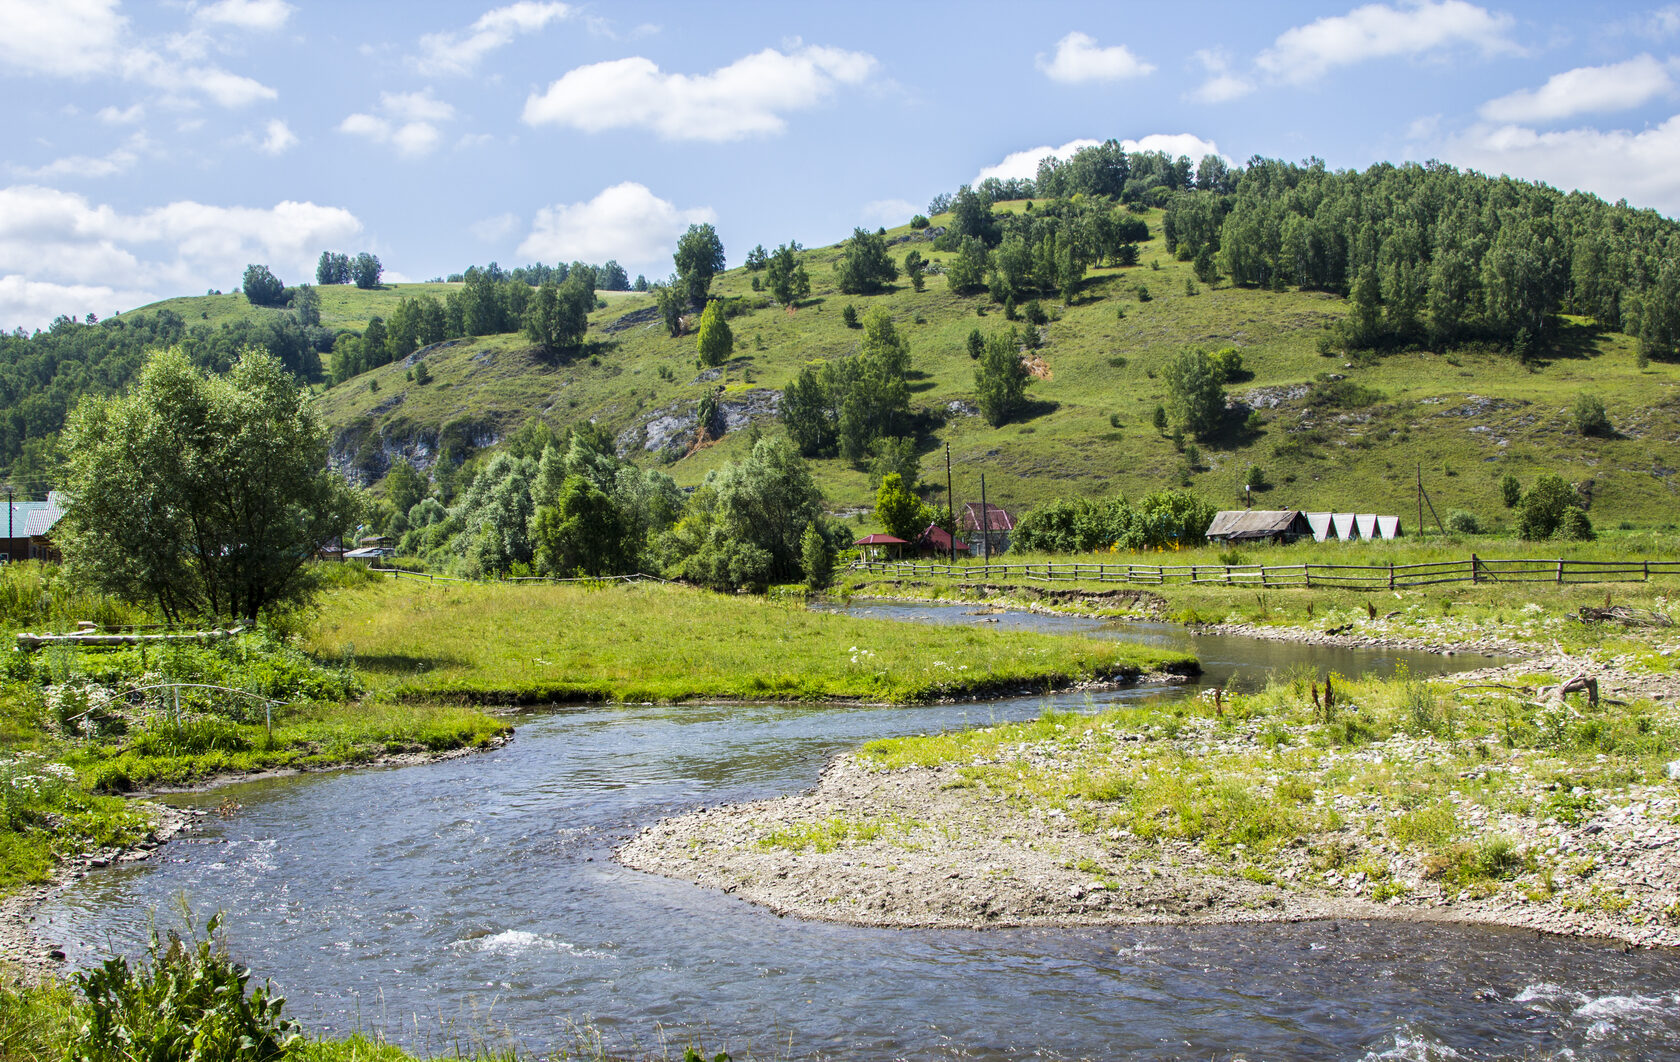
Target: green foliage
263,288
669,299
333,268
1510,490
915,267
747,521
1543,506
756,259
902,513
785,275
919,222
1196,393
1463,523
816,557
716,341
847,405
207,495
864,267
186,1002
1255,478
699,257
1228,364
366,270
1575,525
849,316
965,271
1000,380
1590,417
976,344
557,316
1165,518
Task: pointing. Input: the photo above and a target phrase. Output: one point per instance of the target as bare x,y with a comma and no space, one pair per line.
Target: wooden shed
1259,525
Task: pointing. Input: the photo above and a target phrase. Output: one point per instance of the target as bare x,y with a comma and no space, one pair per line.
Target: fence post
1560,571
1475,566
1391,575
1306,570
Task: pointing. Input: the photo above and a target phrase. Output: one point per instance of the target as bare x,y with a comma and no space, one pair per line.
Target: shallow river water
439,901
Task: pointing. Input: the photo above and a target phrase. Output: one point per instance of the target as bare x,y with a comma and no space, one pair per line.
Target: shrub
182,1004
1590,417
1464,523
1575,525
849,316
1143,293
1034,313
920,221
1228,364
1543,506
1255,478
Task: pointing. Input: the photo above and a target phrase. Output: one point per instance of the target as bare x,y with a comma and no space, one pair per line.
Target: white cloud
129,116
260,15
493,228
458,52
1025,163
409,123
1078,60
84,38
746,98
56,246
627,222
278,138
889,211
1584,90
1304,53
1643,167
1222,85
121,160
65,38
415,106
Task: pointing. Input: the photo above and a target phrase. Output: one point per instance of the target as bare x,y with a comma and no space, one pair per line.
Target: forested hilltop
1120,324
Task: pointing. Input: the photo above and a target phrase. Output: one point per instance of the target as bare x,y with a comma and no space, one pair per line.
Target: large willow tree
206,494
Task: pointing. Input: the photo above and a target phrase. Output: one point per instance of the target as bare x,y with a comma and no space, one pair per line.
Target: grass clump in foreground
672,643
1400,789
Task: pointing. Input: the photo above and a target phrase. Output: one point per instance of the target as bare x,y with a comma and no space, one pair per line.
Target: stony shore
927,846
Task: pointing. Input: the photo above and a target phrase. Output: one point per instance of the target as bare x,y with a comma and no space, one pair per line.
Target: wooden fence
1328,576
404,573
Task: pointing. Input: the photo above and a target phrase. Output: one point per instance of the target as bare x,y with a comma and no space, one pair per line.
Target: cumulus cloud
408,122
1078,59
127,116
627,222
257,15
1584,90
1019,164
1644,167
746,98
1222,84
56,246
1374,31
66,38
86,38
277,139
459,51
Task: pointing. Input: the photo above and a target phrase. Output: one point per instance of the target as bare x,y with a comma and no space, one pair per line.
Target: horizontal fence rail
404,573
1286,576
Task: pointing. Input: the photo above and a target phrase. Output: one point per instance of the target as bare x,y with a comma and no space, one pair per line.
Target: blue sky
154,150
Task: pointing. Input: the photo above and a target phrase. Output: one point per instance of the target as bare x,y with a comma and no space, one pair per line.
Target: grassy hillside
1467,418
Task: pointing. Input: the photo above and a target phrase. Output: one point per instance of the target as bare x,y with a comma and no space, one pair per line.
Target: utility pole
950,504
9,534
985,522
1420,499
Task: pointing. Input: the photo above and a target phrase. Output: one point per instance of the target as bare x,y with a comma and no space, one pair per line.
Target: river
446,901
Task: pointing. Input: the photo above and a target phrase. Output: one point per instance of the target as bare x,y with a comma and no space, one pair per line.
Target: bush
1543,507
1034,313
1590,417
1255,478
1143,293
1228,364
1463,523
920,221
849,316
1575,526
182,1004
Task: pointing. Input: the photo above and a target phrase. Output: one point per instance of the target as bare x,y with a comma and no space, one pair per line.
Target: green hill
1467,418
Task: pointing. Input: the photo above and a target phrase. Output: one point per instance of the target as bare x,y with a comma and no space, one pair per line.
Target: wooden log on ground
31,642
